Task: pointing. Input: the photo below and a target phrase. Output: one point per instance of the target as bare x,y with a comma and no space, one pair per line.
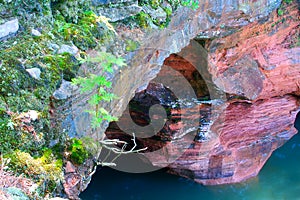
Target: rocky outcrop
267,51
245,140
261,65
258,68
253,68
120,9
154,48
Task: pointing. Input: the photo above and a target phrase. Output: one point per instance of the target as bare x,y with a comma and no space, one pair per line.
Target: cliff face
225,77
156,45
257,69
250,63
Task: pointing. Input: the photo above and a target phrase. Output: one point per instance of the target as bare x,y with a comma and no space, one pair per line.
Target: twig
107,145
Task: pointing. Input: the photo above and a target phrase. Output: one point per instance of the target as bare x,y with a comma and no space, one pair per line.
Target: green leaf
280,12
96,122
78,81
87,87
120,62
102,111
107,67
94,100
106,96
101,81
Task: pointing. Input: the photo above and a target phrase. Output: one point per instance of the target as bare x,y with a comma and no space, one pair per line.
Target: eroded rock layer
260,63
258,68
253,66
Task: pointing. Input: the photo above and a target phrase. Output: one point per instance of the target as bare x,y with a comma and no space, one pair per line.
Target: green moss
86,33
280,12
70,9
91,145
143,19
45,170
13,137
78,153
153,3
60,22
29,12
131,45
19,90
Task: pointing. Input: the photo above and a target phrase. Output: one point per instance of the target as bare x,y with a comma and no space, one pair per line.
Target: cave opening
192,105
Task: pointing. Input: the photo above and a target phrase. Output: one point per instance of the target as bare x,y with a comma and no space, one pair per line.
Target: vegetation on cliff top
26,143
31,146
145,20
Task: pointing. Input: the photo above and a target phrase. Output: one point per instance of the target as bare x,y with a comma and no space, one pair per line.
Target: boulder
64,91
9,28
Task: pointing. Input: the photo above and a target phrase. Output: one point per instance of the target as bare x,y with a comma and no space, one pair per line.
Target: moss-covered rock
30,143
59,24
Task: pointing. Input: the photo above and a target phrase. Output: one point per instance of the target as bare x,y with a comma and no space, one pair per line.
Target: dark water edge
279,179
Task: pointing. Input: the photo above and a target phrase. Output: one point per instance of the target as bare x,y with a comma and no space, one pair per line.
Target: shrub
45,170
78,153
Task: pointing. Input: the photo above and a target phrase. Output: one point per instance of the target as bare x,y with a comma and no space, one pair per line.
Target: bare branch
109,145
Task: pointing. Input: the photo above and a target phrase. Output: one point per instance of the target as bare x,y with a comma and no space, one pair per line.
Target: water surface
279,179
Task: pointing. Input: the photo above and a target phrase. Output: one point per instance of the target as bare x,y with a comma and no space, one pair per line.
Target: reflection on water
279,179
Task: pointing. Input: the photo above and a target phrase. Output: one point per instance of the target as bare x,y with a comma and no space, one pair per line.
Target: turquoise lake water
279,179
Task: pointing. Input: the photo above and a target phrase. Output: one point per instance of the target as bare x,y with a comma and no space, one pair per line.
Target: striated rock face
245,140
252,67
262,64
266,51
155,46
259,70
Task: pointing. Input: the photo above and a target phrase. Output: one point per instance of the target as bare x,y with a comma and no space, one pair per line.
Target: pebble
34,73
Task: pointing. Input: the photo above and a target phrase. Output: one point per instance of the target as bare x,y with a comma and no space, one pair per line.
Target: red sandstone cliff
258,67
262,63
255,63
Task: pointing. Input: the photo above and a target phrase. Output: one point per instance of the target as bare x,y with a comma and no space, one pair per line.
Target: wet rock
74,182
258,62
53,47
231,144
35,73
239,79
52,143
243,145
8,28
247,131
